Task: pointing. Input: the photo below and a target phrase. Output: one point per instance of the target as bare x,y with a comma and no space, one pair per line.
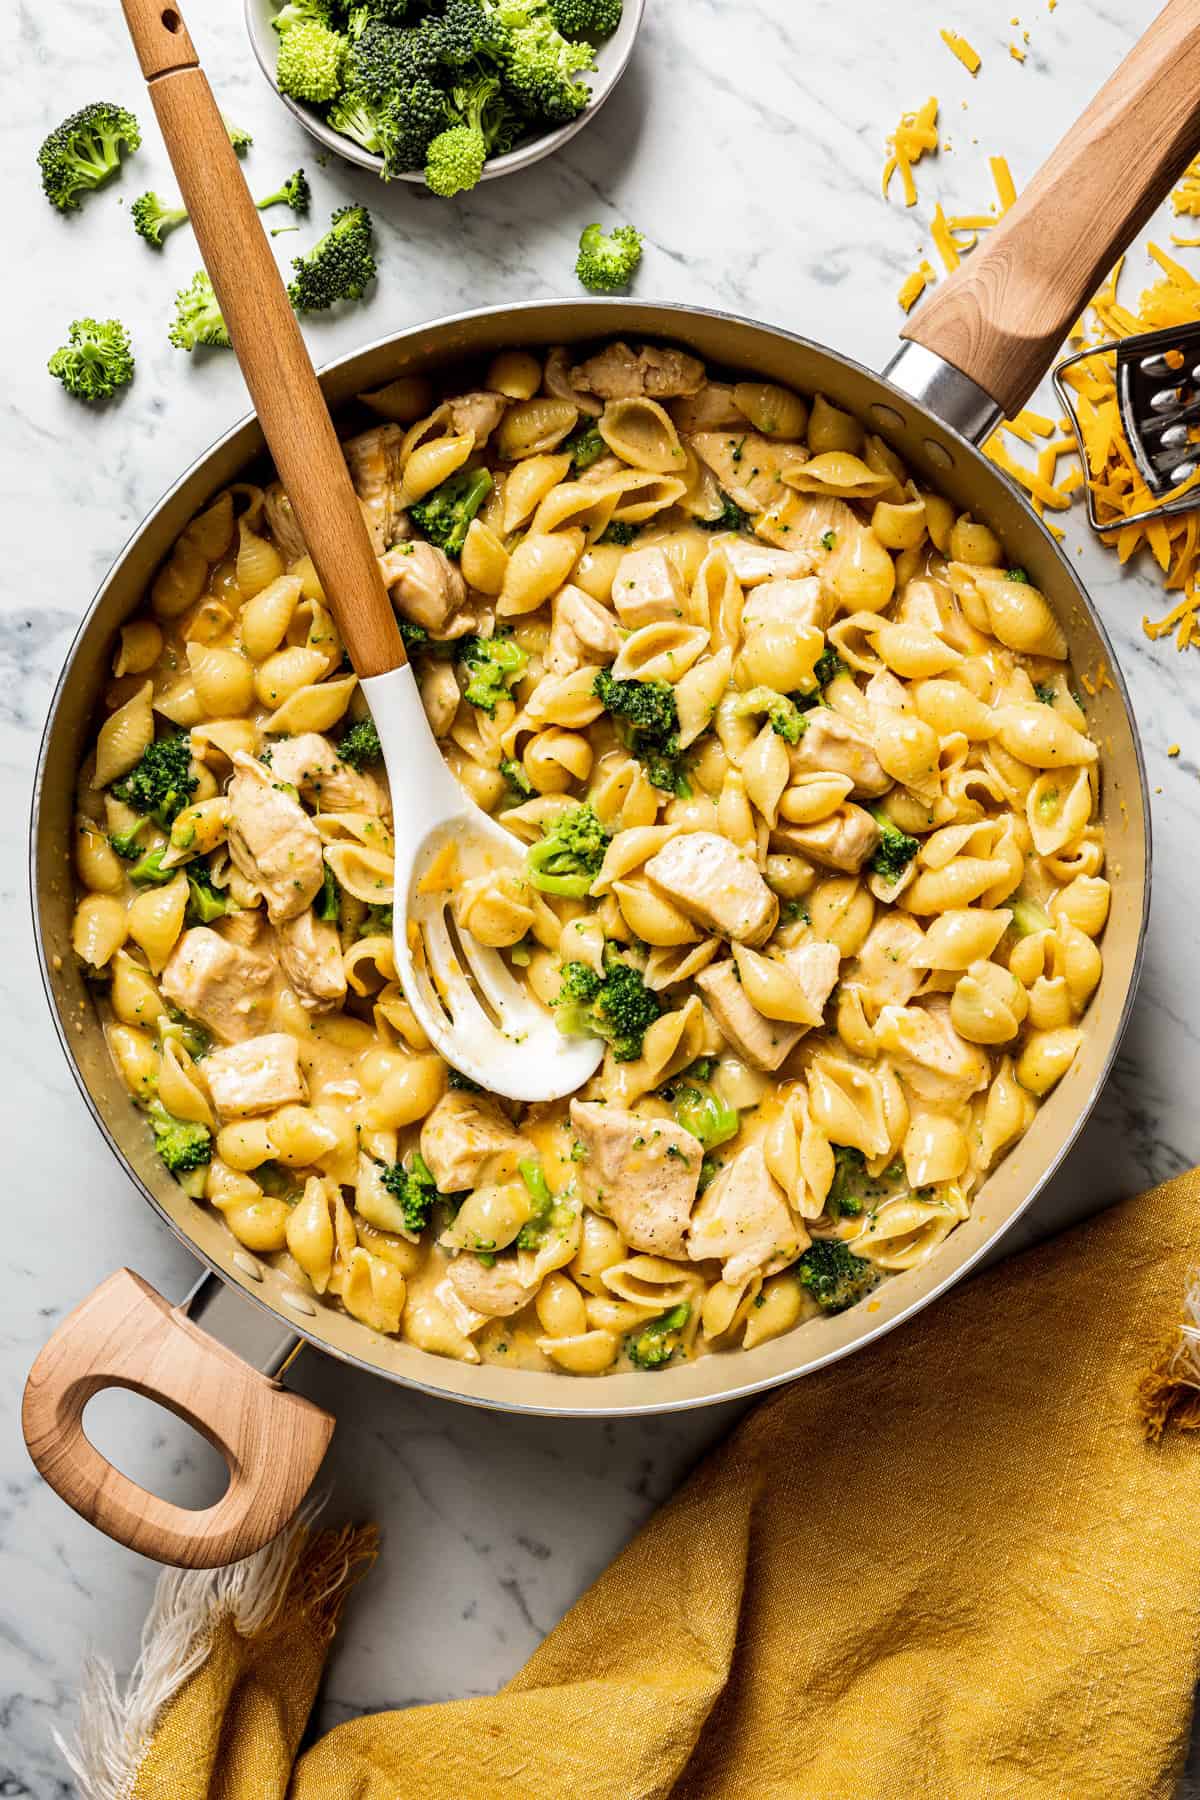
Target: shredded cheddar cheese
968,57
914,285
914,135
1186,198
441,875
1017,54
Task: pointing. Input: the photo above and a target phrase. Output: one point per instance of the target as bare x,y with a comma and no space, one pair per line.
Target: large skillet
973,354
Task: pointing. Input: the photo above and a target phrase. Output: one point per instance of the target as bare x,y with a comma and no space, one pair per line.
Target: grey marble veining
746,141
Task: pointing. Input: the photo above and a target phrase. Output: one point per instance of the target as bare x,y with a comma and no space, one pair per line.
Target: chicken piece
619,373
219,984
928,1054
272,840
310,951
374,461
641,1173
479,413
464,1135
790,603
311,764
711,408
815,964
282,521
716,884
748,466
427,589
582,632
497,1291
831,745
884,964
646,588
556,378
762,1042
248,927
843,841
255,1076
743,1221
754,563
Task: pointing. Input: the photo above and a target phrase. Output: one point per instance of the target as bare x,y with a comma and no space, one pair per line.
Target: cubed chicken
716,884
427,589
843,841
754,562
711,409
465,1135
647,588
619,373
282,521
743,1221
762,1042
582,631
255,1076
479,413
791,603
748,467
641,1173
374,461
884,965
272,840
496,1290
815,964
310,950
221,985
310,762
831,745
929,1055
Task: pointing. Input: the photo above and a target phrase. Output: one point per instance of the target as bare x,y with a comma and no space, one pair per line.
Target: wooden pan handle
266,337
1003,315
126,1336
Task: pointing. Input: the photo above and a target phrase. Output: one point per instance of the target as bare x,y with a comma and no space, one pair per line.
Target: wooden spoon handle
1002,316
268,342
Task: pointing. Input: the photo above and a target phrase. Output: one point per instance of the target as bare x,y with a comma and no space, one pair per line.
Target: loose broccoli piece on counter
445,514
567,858
310,61
205,902
653,1344
455,157
606,263
787,721
616,1006
414,1188
586,18
339,265
184,1146
1028,916
705,1115
518,781
84,151
328,903
198,318
241,140
584,446
360,745
355,117
95,360
619,532
493,664
295,193
833,1275
161,781
153,218
895,849
650,719
730,518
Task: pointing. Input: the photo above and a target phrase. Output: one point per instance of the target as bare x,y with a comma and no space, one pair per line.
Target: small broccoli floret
241,140
616,1006
184,1146
828,667
787,721
518,781
1028,916
295,193
377,921
1016,575
653,1344
415,1189
328,903
198,318
619,532
606,263
1045,693
307,12
493,664
566,860
705,1115
360,745
84,151
455,158
161,782
833,1275
175,1027
384,60
148,871
311,58
95,360
153,218
408,123
852,1188
895,849
126,844
445,515
650,718
586,18
355,117
584,446
339,265
730,518
465,31
412,635
549,1213
540,72
205,902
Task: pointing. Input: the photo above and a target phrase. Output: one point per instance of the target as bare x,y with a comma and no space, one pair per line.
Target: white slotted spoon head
465,997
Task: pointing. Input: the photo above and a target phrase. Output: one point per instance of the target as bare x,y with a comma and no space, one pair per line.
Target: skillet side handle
125,1335
1002,316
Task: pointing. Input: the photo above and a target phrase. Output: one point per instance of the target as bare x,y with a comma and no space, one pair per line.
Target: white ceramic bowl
611,58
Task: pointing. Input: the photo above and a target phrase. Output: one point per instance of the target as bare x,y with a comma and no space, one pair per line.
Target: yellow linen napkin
964,1564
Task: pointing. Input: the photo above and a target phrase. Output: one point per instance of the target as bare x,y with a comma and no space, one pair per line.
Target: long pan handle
1002,316
266,338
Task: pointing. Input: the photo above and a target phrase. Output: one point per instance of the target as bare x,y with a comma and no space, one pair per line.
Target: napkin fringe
1169,1391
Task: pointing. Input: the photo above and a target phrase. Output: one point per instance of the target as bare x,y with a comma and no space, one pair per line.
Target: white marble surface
746,141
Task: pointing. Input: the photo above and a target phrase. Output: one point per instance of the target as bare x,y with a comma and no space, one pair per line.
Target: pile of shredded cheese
914,135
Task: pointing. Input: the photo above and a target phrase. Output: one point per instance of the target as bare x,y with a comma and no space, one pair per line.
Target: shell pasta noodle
810,814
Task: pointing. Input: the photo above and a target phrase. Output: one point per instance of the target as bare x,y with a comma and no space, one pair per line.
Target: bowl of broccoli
444,92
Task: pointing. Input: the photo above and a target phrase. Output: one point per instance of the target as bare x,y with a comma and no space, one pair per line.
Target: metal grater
1158,400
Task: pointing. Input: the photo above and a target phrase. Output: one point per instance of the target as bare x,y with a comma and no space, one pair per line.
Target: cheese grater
1158,396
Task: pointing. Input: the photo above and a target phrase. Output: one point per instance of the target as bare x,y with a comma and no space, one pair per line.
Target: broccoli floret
541,67
307,12
1045,693
1017,575
586,18
445,514
383,60
828,667
355,117
455,158
705,1115
616,1006
650,717
834,1276
519,784
198,317
175,1027
205,902
360,745
415,1189
95,360
153,218
339,265
549,1212
328,903
148,870
126,844
895,849
787,721
619,532
653,1344
606,263
493,664
161,781
84,151
311,58
465,31
377,921
730,518
567,858
408,123
1028,917
456,1079
295,193
852,1188
585,446
412,635
241,140
184,1145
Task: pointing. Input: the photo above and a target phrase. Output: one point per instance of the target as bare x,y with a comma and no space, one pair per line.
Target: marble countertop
746,141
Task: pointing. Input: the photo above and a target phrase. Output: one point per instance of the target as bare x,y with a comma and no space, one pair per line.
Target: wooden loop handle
1002,316
266,338
126,1336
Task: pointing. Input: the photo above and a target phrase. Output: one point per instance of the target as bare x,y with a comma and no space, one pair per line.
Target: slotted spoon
478,1016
